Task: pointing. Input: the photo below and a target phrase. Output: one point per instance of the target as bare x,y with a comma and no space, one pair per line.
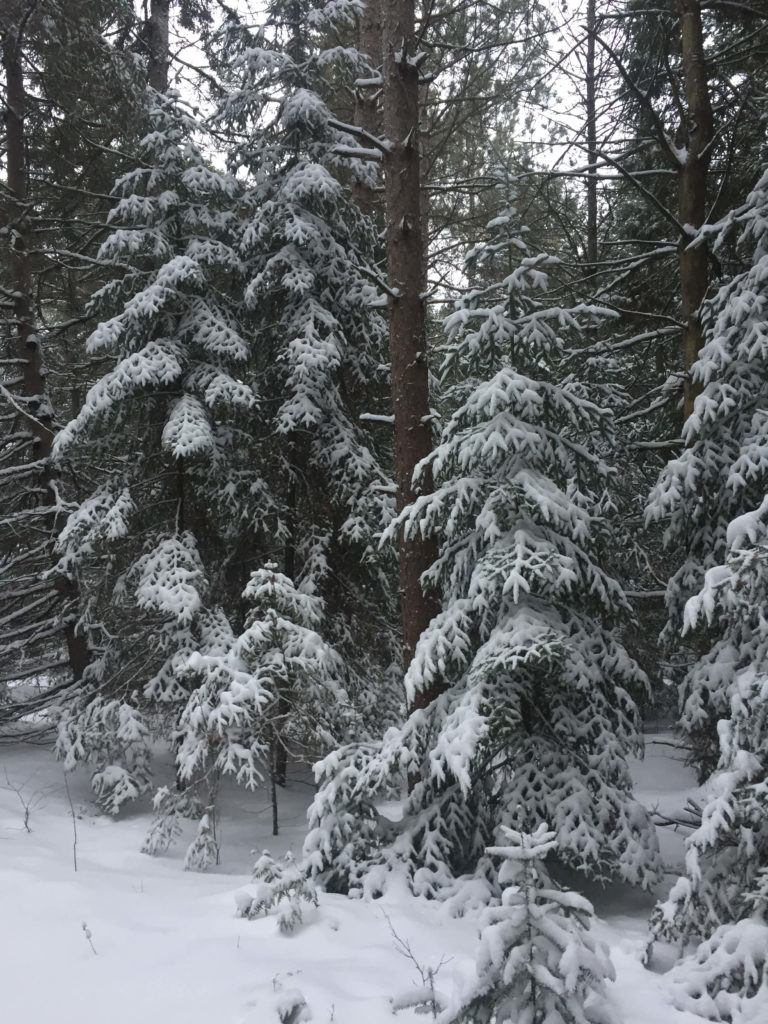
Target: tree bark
407,333
158,45
694,273
367,114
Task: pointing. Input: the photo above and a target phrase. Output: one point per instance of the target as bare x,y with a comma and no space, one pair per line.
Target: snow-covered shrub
203,851
536,961
284,886
726,979
290,1006
535,721
114,736
170,807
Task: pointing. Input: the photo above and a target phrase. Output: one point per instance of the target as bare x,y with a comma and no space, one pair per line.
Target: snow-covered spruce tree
232,289
160,451
536,961
320,341
536,723
715,497
723,471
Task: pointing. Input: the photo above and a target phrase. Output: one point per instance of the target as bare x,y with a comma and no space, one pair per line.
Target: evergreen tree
536,961
276,689
714,497
535,721
721,475
247,345
320,340
166,428
62,145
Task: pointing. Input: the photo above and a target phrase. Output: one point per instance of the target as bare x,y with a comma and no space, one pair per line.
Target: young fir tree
536,722
536,961
282,886
276,690
715,498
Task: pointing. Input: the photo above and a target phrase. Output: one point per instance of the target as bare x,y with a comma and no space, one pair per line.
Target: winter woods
377,384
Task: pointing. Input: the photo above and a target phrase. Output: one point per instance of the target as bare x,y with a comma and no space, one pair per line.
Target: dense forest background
385,386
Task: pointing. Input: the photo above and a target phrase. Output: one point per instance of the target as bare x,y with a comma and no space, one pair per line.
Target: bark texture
157,45
367,97
407,277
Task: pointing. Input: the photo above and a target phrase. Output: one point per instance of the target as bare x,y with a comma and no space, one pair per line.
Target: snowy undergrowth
168,947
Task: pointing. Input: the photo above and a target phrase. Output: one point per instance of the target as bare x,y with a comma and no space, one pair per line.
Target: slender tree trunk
591,100
36,405
274,746
694,275
407,277
158,45
367,114
280,759
28,343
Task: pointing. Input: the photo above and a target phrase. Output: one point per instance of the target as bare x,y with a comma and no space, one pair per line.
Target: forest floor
166,946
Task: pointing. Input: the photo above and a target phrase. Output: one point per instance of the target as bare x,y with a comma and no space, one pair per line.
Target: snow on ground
168,948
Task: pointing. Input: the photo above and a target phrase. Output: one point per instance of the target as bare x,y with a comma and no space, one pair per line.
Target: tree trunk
35,403
367,114
407,334
38,421
694,275
274,746
157,45
591,83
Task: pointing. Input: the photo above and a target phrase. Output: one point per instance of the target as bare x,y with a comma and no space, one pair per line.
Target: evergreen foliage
536,961
726,979
61,149
278,685
320,356
217,522
163,425
239,314
536,721
723,472
203,851
280,885
715,498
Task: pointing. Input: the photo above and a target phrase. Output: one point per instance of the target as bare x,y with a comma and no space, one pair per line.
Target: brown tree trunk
694,275
407,334
158,46
36,405
367,114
